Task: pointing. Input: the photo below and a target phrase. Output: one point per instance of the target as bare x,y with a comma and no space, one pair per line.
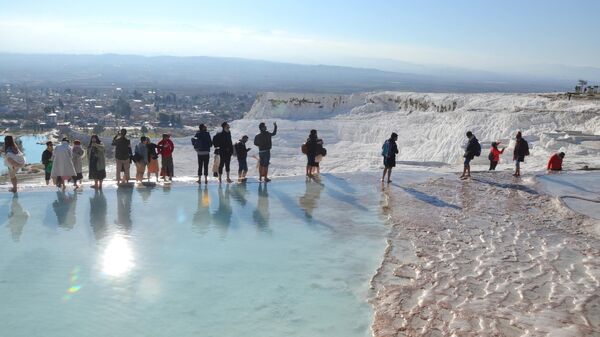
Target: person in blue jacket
202,143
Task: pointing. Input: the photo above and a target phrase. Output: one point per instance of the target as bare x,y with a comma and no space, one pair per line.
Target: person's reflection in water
201,220
309,201
261,213
124,195
238,193
145,192
64,206
98,208
222,216
17,218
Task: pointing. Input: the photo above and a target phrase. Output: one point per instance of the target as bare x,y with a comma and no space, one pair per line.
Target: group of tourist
64,163
224,149
473,149
520,151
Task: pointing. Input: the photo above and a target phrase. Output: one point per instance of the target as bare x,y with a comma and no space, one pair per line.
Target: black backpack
477,149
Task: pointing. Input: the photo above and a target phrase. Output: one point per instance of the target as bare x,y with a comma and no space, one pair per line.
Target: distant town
94,110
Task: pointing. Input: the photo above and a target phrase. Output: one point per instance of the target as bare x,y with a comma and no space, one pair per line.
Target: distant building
51,119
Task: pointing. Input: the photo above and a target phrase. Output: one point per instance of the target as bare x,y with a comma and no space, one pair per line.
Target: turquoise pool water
31,149
290,259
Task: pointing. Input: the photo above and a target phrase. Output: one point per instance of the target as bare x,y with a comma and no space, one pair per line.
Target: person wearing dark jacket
202,143
263,141
521,150
47,161
472,149
390,149
314,147
152,159
241,152
222,142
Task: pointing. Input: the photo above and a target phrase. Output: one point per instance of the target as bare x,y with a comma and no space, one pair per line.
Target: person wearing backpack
241,152
314,148
520,152
494,155
202,143
473,150
389,151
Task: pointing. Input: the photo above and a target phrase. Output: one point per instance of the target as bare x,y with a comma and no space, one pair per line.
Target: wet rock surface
490,256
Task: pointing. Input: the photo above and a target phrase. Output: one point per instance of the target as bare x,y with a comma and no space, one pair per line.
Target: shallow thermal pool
579,190
31,149
290,259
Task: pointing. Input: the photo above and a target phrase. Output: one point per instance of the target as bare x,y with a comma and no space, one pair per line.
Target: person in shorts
123,155
263,141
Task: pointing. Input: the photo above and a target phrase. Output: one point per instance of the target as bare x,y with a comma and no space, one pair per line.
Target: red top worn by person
165,148
496,153
555,162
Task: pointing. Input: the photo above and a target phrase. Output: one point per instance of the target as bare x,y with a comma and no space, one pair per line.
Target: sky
485,35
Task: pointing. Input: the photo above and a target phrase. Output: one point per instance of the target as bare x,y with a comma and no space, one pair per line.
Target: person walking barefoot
14,160
62,164
389,151
520,152
263,141
97,161
473,150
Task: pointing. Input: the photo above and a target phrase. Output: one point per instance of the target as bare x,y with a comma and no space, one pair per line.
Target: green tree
122,108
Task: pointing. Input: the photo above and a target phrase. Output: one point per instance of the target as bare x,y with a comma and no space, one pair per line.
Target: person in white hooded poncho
62,164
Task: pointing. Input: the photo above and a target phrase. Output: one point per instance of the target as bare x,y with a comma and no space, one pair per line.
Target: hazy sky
475,34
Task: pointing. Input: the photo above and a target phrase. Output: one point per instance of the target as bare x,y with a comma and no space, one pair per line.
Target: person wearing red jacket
165,149
494,155
555,162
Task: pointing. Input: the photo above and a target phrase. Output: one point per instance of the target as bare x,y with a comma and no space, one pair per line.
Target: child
47,161
242,156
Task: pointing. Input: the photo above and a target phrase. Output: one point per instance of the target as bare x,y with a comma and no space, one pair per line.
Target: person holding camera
123,155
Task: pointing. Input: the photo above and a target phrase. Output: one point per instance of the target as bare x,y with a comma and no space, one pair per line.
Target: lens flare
117,259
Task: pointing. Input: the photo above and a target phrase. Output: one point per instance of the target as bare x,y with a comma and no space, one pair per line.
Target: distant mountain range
236,74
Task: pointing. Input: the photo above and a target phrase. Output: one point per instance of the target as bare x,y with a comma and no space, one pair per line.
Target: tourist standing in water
78,154
152,159
389,151
263,141
555,162
521,150
122,155
97,161
141,159
473,150
62,164
165,149
47,161
13,159
314,148
241,152
494,155
222,141
202,144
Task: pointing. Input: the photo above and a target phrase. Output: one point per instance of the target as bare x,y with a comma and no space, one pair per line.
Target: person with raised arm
263,141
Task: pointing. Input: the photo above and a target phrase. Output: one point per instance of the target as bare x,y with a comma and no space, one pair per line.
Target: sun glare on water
117,259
